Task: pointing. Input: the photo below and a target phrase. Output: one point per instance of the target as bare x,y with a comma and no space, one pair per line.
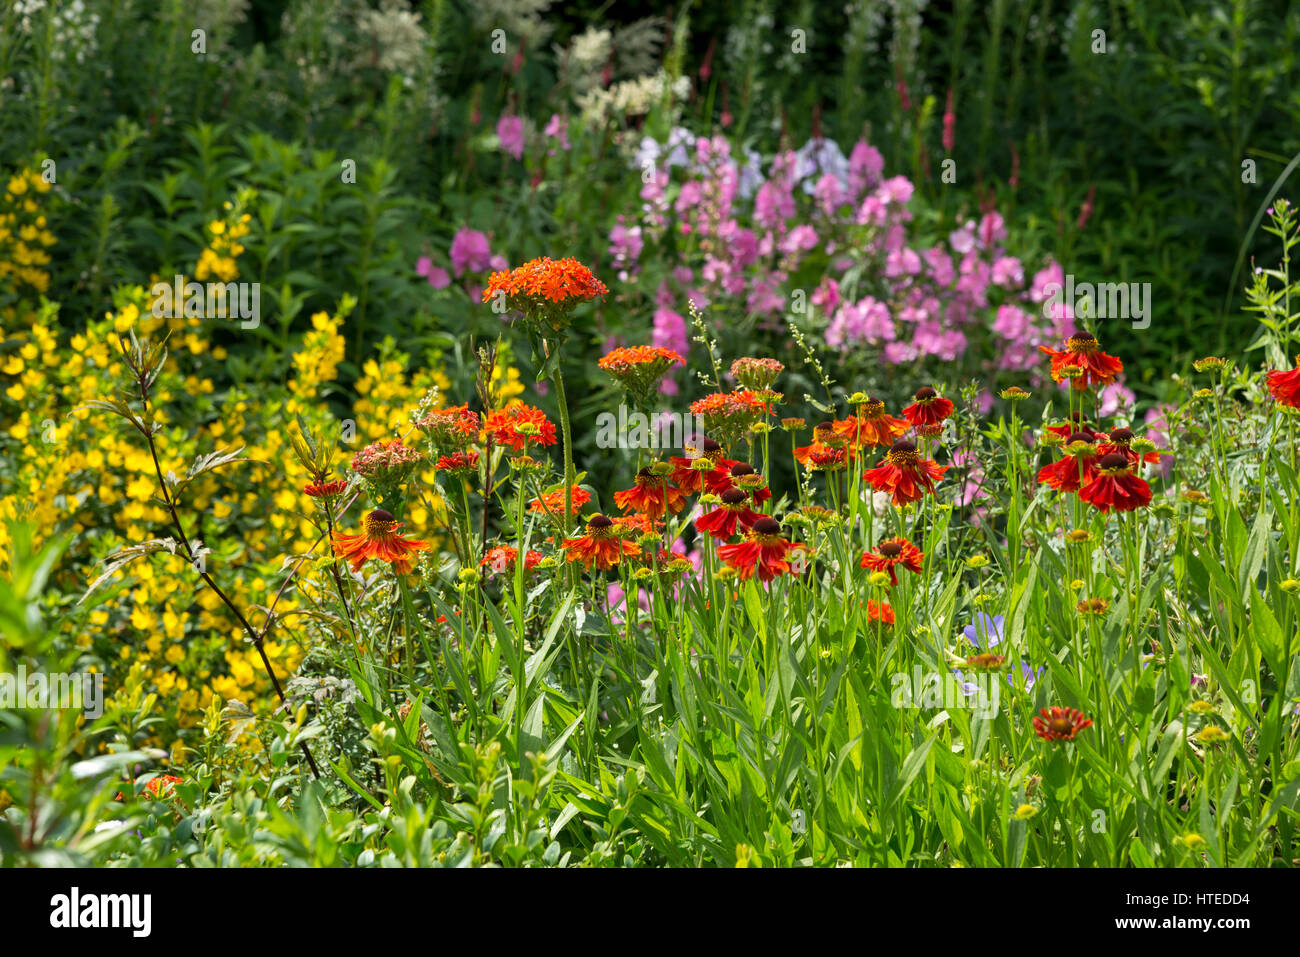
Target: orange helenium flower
601,546
378,540
1082,351
871,425
653,495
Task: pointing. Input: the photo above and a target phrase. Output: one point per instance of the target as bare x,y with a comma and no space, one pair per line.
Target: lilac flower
750,176
820,156
625,246
649,152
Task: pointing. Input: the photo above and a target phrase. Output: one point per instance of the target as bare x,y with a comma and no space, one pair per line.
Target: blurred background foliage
1125,165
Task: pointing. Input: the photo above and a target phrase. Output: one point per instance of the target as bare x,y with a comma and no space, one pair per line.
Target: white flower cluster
394,37
631,97
590,50
75,28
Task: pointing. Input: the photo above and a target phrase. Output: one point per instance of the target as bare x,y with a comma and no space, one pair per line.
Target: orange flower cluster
453,428
518,426
552,503
629,360
551,280
639,368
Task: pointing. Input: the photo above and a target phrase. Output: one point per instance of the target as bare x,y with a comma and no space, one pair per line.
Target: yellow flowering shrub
24,236
67,469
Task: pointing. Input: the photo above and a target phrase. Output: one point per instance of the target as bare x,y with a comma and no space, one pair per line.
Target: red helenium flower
904,474
1284,385
1115,487
763,551
1060,724
891,553
723,521
929,409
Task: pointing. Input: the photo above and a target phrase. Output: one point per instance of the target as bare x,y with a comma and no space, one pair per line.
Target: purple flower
557,129
984,628
470,251
437,276
625,245
1027,675
510,131
670,330
865,167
